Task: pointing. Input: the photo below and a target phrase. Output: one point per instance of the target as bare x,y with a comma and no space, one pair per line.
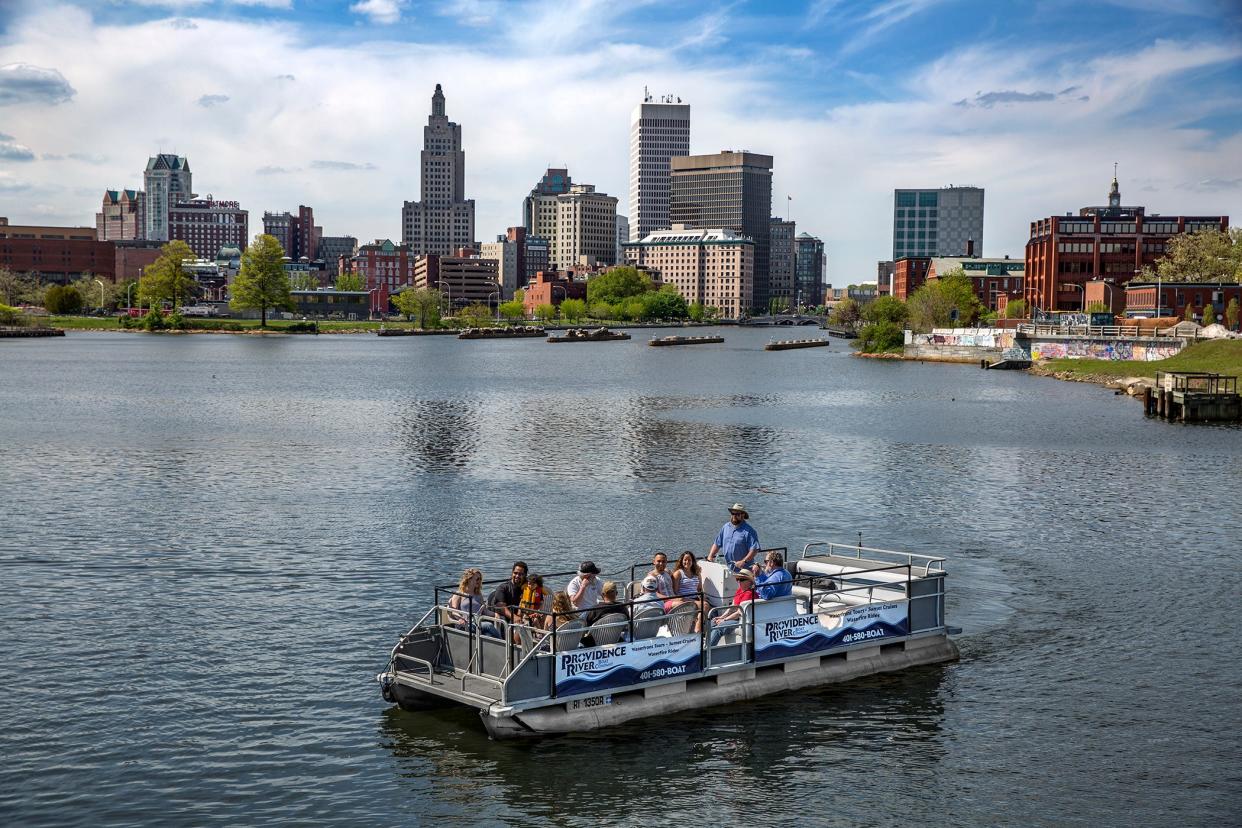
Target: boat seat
569,636
681,619
647,622
609,628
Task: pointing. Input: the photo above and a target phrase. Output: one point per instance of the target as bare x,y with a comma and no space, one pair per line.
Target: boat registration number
591,701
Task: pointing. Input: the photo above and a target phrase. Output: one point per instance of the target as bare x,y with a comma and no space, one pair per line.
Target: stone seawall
951,353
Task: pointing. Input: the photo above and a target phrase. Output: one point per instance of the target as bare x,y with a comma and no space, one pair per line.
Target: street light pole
495,293
101,293
129,303
371,303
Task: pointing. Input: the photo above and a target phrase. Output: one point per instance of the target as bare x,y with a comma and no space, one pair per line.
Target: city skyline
852,100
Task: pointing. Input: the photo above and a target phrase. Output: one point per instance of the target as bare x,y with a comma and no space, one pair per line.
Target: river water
210,543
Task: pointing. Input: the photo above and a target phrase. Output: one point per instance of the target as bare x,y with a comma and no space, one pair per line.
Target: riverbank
280,326
1220,356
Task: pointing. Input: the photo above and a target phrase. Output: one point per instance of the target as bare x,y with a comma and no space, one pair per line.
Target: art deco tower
443,220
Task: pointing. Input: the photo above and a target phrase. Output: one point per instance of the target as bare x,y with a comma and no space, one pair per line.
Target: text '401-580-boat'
852,611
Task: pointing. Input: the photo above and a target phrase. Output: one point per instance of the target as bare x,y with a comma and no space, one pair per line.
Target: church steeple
437,102
1114,193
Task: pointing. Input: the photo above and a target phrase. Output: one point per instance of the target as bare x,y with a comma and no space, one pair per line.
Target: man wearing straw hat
737,540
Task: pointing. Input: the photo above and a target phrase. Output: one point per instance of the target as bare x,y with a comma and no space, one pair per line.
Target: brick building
1170,299
991,278
909,273
55,254
462,279
383,265
121,216
207,225
551,288
714,268
1112,242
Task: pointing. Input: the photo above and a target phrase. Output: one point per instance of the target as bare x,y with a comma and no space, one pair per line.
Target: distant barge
852,612
790,344
411,332
24,332
515,332
684,340
585,335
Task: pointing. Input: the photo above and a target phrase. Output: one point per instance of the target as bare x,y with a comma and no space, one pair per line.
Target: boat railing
931,563
911,590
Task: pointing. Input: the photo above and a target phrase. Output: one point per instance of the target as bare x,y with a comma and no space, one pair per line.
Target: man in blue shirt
774,580
736,539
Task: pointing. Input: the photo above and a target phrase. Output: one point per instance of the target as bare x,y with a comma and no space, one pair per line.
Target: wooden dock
790,344
1193,397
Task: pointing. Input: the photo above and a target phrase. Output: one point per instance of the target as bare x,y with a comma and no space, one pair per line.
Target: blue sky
284,102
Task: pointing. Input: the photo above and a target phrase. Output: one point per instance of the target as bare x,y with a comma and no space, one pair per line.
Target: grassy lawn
1221,356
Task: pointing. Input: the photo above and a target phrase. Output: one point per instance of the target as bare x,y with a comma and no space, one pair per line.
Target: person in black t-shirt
506,598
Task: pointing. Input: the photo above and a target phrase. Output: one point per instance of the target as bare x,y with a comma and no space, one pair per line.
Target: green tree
349,281
948,301
886,309
847,313
59,299
696,312
634,308
1209,314
602,311
616,284
168,278
11,316
1097,307
1232,312
512,310
1189,314
476,315
573,309
1016,309
665,303
1208,256
422,305
881,337
303,280
19,288
778,304
94,296
262,282
545,312
126,291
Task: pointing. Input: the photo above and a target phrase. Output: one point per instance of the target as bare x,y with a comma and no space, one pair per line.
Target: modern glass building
937,222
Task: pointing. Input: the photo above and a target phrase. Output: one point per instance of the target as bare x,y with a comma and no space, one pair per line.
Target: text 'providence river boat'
853,611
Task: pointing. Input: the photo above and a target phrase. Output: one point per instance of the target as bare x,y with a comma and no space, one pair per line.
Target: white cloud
380,11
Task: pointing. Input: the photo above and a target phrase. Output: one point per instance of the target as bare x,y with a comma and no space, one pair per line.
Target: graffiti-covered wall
957,343
1142,351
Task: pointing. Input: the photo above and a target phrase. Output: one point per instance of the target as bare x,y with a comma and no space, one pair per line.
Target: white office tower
659,130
